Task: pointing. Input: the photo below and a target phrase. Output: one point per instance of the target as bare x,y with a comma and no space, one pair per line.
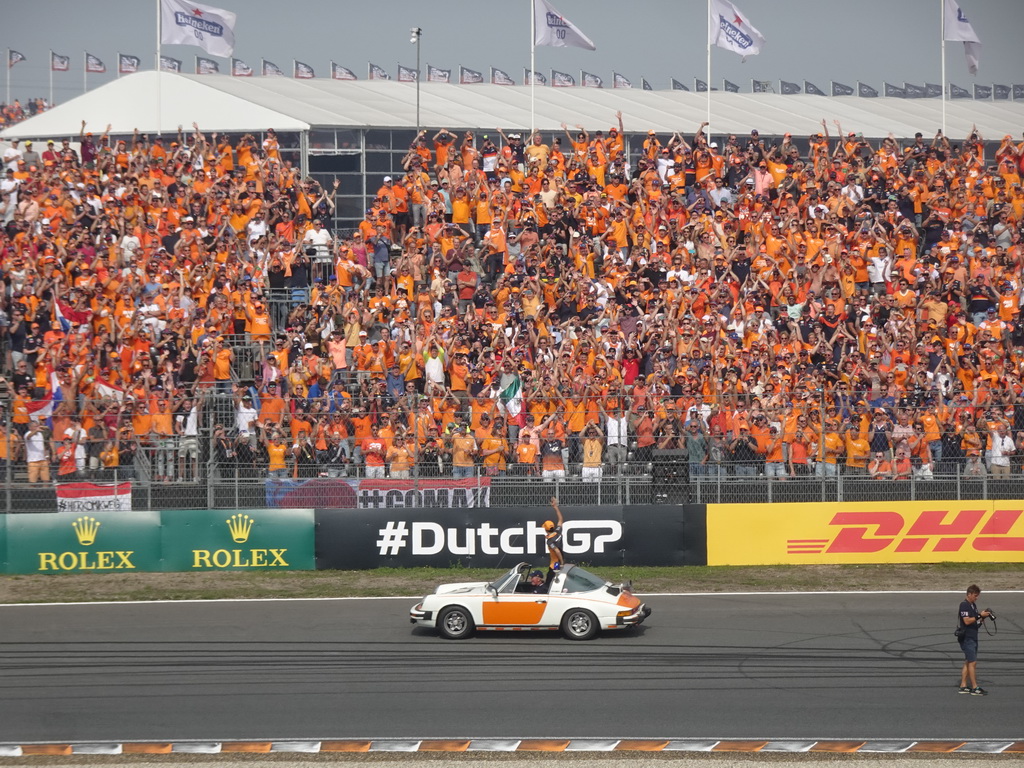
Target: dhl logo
980,530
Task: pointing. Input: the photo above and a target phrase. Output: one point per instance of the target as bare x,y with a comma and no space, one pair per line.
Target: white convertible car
571,599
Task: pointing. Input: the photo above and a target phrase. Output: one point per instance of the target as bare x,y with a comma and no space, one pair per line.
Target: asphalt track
798,666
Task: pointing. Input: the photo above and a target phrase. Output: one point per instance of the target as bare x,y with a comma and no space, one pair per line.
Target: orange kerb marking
146,749
542,745
46,749
937,746
639,745
739,746
439,745
246,746
345,746
837,746
1017,746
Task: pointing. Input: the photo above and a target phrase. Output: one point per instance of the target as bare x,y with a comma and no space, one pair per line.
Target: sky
817,40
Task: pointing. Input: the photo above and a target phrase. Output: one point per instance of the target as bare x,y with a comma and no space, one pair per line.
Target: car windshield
505,583
578,580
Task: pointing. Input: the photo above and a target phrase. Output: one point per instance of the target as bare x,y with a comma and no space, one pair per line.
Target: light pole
415,33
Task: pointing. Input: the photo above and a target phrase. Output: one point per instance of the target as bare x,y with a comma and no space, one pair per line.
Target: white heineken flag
730,29
552,28
959,29
212,29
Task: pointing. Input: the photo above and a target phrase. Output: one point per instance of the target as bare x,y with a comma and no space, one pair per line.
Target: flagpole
707,135
533,64
85,72
7,100
942,43
51,77
159,71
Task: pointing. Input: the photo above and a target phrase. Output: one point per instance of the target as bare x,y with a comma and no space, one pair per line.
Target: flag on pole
838,89
205,66
168,64
530,78
762,86
983,92
94,64
1018,91
787,88
339,72
730,87
915,91
13,57
893,91
619,81
678,86
377,73
552,28
240,69
588,80
728,28
959,29
59,63
812,90
501,77
562,79
932,90
469,76
956,92
699,85
645,85
866,91
1000,92
128,64
270,69
438,75
407,74
184,23
302,71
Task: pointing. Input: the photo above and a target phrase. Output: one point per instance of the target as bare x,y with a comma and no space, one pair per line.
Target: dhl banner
866,532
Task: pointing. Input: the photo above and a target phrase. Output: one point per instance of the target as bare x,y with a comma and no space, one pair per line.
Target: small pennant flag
127,64
893,91
646,86
471,76
378,73
205,66
339,72
589,80
501,77
812,90
787,88
302,71
59,63
562,79
240,69
678,86
838,89
730,87
94,64
620,81
270,69
958,28
552,28
167,64
438,75
866,91
1018,91
932,90
699,85
529,78
915,91
956,92
1000,92
407,74
762,86
983,92
13,57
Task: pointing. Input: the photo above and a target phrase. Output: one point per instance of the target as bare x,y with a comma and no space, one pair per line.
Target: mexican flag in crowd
512,399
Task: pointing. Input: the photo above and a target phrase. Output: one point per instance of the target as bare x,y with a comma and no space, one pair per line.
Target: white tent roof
225,103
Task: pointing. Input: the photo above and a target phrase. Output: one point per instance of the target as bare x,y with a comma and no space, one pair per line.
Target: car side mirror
493,590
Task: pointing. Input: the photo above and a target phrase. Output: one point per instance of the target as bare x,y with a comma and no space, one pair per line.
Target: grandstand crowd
564,304
15,112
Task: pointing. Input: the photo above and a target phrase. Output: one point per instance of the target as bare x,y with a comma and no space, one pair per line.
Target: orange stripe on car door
513,611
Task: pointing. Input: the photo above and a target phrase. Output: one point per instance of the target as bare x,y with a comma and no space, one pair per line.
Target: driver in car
536,585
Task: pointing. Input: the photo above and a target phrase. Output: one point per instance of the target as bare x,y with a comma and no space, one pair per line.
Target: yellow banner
868,532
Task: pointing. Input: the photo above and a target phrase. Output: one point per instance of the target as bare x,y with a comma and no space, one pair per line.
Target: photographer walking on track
967,634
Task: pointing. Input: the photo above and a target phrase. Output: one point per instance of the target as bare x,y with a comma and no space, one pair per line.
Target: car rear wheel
579,624
455,623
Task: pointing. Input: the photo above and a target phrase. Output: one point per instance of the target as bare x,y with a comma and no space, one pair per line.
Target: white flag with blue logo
552,28
212,29
728,28
959,29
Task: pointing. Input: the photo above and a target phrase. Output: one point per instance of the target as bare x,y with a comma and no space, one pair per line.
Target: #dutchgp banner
78,498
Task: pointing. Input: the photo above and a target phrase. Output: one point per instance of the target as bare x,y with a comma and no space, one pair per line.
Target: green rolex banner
65,542
265,539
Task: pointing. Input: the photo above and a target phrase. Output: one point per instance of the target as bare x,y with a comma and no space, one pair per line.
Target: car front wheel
579,624
455,623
